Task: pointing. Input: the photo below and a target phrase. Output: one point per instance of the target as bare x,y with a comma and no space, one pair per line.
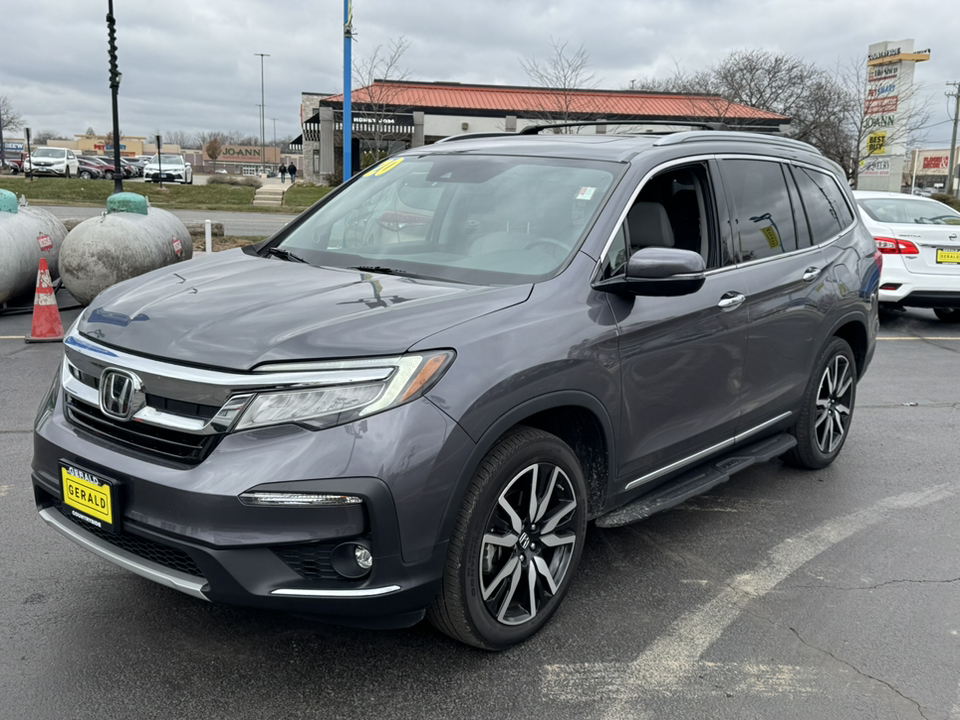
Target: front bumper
165,177
56,171
184,527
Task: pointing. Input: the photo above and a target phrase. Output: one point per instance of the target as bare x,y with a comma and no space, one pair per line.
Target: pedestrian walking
283,173
292,169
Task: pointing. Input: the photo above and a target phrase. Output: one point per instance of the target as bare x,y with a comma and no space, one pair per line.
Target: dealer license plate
90,497
948,256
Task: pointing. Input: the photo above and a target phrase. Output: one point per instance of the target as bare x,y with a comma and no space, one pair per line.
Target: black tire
85,175
496,554
827,411
108,175
948,315
14,169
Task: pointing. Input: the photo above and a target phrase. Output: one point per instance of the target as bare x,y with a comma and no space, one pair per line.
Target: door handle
731,300
811,274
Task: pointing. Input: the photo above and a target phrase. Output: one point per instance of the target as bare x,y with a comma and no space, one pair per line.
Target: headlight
409,377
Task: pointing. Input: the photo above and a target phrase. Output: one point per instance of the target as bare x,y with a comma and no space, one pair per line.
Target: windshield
909,211
466,218
49,153
167,159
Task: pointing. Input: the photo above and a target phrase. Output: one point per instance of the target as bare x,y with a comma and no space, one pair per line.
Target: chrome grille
173,445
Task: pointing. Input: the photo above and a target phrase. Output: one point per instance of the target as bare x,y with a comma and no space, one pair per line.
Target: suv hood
237,311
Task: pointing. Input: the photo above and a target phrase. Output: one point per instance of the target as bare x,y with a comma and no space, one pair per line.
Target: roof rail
471,136
535,129
748,137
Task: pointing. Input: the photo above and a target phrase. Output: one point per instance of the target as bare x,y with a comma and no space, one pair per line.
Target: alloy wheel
529,542
834,404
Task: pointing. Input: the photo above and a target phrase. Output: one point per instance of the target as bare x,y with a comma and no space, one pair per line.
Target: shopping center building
391,115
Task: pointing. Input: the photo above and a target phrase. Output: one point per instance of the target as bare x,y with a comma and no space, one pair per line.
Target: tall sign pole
115,76
347,90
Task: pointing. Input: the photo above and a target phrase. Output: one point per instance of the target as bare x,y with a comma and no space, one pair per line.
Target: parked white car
920,242
170,168
58,162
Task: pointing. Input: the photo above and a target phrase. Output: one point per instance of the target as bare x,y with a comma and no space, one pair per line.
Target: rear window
909,211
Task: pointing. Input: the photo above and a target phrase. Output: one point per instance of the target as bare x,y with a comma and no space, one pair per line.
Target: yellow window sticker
385,168
773,240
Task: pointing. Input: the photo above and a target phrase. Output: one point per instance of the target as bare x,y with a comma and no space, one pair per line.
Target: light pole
115,76
275,138
262,111
347,90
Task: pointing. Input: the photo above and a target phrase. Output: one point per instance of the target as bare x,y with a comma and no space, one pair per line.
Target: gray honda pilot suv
415,397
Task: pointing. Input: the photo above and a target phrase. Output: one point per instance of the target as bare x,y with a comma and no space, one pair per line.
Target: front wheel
948,315
516,543
827,410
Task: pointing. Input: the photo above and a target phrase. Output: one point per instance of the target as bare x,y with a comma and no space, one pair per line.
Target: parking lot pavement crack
824,586
936,344
860,672
15,432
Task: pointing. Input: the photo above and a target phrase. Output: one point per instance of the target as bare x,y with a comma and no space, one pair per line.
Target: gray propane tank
129,239
26,235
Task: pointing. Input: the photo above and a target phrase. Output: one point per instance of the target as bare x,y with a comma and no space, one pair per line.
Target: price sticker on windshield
385,168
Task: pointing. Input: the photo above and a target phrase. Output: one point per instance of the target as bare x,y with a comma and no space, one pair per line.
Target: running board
697,481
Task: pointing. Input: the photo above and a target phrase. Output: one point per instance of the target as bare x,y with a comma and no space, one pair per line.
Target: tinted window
825,204
764,219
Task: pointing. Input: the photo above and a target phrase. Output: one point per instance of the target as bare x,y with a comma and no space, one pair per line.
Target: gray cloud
190,64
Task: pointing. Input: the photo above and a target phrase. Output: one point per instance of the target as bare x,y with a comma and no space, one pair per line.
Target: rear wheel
516,543
85,175
827,410
948,315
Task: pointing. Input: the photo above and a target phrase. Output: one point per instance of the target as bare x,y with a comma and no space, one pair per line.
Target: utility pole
952,165
262,113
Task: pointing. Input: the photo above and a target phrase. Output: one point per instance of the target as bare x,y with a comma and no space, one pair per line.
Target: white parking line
11,337
677,653
920,338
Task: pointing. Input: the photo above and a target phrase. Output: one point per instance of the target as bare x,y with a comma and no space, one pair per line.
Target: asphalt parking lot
782,594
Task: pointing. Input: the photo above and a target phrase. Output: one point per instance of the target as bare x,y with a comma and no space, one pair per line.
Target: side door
681,357
788,292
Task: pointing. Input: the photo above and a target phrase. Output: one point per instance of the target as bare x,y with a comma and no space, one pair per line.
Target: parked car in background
920,242
169,168
14,161
131,168
88,169
106,165
413,398
58,162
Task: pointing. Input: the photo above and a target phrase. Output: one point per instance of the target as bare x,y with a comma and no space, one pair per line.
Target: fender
516,417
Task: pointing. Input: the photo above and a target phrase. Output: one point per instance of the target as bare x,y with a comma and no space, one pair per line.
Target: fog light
352,559
363,557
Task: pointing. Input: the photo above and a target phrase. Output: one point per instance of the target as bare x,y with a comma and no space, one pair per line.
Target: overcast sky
190,64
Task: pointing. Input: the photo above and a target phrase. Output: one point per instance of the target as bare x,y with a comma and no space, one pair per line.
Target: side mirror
658,272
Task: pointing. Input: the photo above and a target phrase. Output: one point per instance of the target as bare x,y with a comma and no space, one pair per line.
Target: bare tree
42,137
377,98
182,138
565,72
213,149
10,119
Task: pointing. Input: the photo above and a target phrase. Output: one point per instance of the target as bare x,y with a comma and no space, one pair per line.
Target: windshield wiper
380,270
286,255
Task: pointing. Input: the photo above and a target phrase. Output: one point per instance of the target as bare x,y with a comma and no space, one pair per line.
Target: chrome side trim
709,451
762,426
680,463
128,561
341,594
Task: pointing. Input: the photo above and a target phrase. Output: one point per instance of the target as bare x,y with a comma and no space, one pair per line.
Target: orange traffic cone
47,326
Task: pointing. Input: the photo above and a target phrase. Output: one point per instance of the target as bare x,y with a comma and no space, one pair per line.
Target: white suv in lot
171,168
59,162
